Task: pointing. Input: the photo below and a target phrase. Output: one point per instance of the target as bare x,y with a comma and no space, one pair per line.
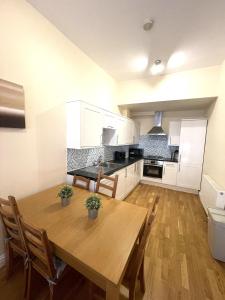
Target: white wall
35,54
147,122
214,164
198,83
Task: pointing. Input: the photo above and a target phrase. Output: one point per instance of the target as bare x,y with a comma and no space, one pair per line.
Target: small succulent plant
65,192
93,202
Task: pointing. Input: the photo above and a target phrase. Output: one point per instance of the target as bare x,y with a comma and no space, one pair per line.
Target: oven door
153,171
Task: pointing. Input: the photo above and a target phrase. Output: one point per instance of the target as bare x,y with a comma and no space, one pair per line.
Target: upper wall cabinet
84,125
174,133
90,126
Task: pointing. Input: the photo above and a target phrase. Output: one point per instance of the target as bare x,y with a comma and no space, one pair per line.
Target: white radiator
211,194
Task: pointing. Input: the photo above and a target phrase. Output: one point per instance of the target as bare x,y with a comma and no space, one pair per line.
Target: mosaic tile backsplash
152,145
156,145
81,158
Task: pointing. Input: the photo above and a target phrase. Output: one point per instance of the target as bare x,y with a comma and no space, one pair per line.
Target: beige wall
147,122
214,164
52,70
198,83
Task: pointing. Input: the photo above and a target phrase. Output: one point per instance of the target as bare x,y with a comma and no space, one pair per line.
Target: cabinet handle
117,138
170,140
179,167
163,170
180,158
126,173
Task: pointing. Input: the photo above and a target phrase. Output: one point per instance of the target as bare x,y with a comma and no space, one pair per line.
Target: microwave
136,152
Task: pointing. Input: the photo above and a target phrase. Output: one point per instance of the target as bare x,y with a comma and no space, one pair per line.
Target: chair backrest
138,259
81,182
155,204
39,250
10,218
103,185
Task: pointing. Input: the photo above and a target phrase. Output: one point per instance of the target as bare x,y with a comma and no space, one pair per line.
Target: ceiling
141,109
111,33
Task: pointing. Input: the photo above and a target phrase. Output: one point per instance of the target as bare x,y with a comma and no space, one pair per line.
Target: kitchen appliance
119,155
135,152
157,129
175,155
153,167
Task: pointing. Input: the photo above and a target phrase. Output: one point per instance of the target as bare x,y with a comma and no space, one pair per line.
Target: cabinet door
122,184
169,173
136,132
121,132
110,121
140,165
174,133
130,177
91,127
192,141
189,176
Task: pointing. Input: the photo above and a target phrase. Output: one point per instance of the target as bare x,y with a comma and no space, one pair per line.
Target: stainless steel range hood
157,129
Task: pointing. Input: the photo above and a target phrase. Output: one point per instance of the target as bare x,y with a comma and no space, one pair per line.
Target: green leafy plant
65,192
93,202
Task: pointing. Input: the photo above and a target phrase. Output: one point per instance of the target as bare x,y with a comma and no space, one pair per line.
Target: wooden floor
178,263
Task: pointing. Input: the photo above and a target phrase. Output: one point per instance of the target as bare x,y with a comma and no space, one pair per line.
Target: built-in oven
153,168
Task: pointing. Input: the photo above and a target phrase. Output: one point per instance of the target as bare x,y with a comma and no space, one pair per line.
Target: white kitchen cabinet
90,126
191,153
110,120
136,132
169,173
174,133
121,191
128,179
84,125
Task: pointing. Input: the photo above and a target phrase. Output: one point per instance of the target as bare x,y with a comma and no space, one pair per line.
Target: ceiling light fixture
176,60
139,64
157,68
148,23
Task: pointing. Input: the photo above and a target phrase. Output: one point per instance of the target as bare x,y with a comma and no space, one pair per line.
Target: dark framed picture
12,105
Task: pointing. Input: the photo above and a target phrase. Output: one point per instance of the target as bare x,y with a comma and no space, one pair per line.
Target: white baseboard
171,187
2,260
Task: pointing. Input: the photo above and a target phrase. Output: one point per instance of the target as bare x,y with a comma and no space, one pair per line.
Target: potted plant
93,203
65,193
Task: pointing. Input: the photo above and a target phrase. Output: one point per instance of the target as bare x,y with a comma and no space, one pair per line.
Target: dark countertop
92,171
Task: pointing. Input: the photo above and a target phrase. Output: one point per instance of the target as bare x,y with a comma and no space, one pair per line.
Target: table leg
112,291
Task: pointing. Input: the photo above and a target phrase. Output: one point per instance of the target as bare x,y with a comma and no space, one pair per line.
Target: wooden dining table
99,249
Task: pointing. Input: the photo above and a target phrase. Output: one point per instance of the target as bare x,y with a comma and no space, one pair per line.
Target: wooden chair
135,269
112,188
155,204
42,260
81,182
14,240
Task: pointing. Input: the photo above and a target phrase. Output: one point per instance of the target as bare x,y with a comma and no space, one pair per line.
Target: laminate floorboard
178,263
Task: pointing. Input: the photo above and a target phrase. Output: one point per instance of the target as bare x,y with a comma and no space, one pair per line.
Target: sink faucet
100,160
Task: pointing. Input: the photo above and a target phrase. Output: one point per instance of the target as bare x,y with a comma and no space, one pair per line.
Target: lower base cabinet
129,177
169,173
